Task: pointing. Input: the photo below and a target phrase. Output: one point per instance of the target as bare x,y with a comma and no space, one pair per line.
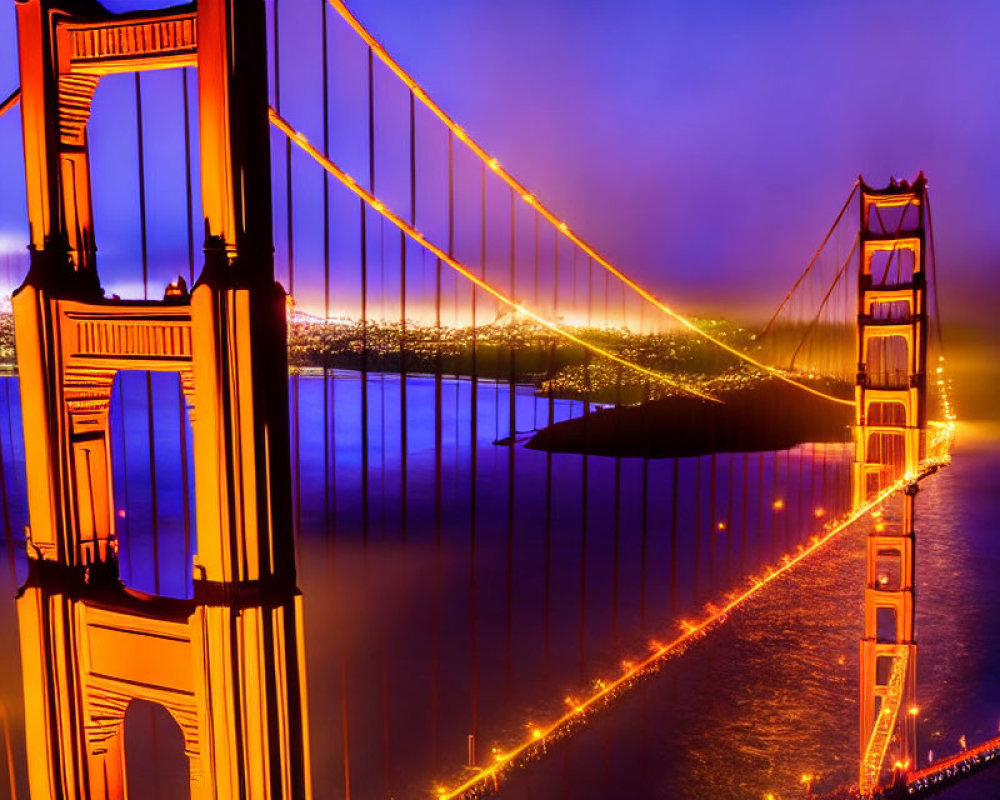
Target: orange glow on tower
890,436
227,665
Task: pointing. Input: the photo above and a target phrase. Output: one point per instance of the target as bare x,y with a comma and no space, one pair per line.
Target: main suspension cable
547,214
300,140
12,100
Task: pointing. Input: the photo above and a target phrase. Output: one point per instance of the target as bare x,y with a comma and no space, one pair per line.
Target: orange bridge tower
889,445
228,664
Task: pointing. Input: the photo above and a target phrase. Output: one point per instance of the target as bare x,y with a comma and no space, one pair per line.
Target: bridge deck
946,771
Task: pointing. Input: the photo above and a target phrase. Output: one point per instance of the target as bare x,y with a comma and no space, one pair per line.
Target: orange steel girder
890,436
228,665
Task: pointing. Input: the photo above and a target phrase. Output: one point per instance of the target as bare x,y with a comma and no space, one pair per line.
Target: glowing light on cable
520,189
281,124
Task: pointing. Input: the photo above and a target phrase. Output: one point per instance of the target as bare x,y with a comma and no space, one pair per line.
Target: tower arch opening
152,466
156,767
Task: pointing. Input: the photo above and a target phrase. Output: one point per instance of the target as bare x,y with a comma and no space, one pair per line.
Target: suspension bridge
436,265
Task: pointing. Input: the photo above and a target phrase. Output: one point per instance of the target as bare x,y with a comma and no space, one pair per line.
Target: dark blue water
482,601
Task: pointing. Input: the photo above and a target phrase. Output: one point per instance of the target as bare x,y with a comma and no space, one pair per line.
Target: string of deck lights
528,197
302,142
938,446
504,760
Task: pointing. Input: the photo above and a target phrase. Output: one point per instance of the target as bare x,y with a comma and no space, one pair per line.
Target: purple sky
705,147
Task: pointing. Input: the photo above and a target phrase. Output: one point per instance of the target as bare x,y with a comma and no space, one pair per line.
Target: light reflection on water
422,628
773,694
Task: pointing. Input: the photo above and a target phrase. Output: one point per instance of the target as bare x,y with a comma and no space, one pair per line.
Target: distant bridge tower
890,433
227,665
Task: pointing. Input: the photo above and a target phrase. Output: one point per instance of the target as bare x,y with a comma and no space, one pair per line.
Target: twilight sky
704,146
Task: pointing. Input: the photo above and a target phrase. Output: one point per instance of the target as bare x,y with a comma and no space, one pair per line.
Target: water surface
454,587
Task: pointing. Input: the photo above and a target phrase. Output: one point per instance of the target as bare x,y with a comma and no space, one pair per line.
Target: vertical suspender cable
438,513
607,292
776,494
185,479
451,238
744,489
512,432
288,154
8,533
511,399
182,405
616,545
473,479
364,221
371,123
451,195
145,294
187,176
326,175
713,490
290,235
154,505
575,251
644,532
325,87
697,524
383,645
548,465
555,281
590,290
451,254
482,223
125,474
403,432
512,351
474,331
534,414
142,186
760,511
512,328
933,274
674,500
800,522
536,259
364,306
728,533
584,506
788,502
